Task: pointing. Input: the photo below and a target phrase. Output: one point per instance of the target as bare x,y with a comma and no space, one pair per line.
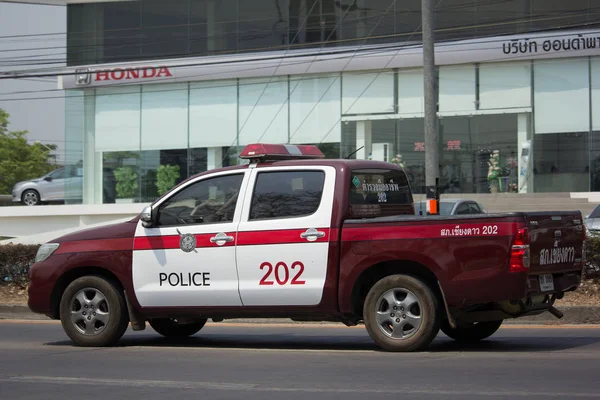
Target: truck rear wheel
472,332
172,329
93,312
401,314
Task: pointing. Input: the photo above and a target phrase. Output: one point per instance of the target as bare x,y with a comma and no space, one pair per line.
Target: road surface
277,361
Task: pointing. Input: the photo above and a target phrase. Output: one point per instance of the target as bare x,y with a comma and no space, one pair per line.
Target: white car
50,187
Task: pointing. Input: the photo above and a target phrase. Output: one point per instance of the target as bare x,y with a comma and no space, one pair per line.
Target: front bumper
39,290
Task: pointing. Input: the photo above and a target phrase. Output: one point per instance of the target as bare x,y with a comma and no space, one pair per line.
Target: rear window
388,189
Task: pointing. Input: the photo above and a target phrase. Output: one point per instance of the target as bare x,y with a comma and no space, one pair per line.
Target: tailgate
556,241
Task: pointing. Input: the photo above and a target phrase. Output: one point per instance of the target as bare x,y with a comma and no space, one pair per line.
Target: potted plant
166,178
126,184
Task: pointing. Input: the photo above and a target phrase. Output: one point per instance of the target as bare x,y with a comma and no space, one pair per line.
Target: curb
572,316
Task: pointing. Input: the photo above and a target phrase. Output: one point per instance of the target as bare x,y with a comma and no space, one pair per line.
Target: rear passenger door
283,237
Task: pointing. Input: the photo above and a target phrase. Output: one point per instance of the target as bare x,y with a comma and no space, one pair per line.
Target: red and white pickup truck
293,235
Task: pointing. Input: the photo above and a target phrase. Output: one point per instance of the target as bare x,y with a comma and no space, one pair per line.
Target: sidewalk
572,316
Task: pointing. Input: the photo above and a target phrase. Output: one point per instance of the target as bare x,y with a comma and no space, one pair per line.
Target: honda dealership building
159,90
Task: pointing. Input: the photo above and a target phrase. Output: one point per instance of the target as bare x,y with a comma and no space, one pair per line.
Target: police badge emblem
187,242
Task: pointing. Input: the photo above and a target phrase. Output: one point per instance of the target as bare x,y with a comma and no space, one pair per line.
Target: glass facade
536,122
149,29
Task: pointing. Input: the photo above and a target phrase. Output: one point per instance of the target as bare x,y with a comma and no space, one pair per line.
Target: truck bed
470,254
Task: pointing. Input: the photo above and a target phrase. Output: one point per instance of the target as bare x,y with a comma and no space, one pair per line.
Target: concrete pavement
280,361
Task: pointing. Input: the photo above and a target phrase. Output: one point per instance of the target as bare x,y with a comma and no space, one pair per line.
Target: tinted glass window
463,209
379,186
58,174
595,213
286,194
474,208
206,202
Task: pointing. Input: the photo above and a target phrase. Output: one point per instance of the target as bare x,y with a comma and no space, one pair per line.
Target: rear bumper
563,282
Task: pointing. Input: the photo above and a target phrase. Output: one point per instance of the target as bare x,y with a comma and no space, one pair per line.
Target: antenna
354,152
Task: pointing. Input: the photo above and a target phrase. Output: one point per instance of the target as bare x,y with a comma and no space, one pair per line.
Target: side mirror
48,179
146,217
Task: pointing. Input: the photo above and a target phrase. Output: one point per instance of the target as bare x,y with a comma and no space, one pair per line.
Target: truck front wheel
93,312
401,314
472,332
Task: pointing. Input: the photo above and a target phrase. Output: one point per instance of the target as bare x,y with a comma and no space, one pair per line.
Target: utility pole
431,137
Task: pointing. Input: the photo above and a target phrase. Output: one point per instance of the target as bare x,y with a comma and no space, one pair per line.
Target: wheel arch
371,275
69,276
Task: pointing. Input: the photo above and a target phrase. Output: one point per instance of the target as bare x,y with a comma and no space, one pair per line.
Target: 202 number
490,229
282,273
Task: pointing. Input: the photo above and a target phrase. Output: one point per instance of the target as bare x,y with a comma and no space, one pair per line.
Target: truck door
187,259
283,237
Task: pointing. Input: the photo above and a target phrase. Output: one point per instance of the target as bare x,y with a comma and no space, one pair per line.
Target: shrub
592,257
126,182
15,261
166,178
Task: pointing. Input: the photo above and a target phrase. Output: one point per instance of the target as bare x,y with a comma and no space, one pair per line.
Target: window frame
157,206
279,171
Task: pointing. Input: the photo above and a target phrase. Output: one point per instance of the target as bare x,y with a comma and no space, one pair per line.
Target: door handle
312,234
221,237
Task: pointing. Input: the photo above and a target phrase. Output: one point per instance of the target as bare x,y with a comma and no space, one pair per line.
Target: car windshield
596,212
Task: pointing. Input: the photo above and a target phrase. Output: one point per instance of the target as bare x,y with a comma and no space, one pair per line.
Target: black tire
31,197
469,333
172,329
111,327
429,325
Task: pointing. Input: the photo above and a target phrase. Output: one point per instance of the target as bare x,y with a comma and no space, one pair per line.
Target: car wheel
93,312
30,197
401,314
172,329
472,332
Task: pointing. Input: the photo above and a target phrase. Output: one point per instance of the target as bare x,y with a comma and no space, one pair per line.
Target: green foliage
166,178
126,182
15,261
19,160
592,257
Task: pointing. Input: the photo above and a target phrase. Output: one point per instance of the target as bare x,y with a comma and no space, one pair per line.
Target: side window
58,174
209,201
285,194
463,209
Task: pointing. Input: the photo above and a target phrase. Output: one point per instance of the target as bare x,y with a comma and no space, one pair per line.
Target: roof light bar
265,152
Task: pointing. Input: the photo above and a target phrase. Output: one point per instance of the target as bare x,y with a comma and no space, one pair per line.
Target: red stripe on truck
291,236
433,231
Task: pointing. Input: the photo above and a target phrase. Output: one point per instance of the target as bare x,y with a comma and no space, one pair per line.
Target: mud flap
138,322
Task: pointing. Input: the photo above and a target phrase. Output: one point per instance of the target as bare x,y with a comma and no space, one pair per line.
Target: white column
525,154
92,161
214,158
363,138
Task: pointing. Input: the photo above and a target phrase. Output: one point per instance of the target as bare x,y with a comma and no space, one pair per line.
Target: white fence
39,224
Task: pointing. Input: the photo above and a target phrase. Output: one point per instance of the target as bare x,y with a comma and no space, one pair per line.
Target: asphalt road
241,361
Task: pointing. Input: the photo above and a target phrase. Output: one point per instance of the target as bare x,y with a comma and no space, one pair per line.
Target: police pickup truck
289,234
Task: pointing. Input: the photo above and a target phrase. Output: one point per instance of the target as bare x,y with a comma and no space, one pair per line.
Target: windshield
595,213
